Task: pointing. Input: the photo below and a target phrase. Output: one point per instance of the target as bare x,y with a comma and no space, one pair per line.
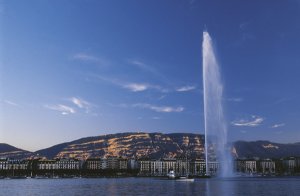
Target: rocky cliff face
130,145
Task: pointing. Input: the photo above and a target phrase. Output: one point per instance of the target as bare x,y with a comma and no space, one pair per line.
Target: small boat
171,174
41,177
185,179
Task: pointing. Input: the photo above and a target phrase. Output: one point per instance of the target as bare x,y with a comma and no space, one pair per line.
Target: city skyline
74,69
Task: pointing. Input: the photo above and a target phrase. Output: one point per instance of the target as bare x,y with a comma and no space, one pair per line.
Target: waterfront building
133,164
67,164
213,167
182,166
106,163
267,166
93,164
289,165
145,167
12,167
45,164
246,165
4,164
156,167
161,167
123,164
197,167
112,162
103,163
13,164
168,165
298,163
151,167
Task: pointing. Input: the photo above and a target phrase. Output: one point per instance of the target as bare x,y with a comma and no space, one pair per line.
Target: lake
151,186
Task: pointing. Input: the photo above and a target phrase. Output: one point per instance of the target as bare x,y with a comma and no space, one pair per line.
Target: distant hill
129,145
12,152
265,149
149,145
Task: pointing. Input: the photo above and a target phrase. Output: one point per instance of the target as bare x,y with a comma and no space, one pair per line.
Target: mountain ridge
7,150
266,149
149,145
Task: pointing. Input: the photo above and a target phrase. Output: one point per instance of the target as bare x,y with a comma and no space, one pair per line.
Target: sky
78,68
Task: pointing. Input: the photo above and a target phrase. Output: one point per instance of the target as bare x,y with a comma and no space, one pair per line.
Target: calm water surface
151,186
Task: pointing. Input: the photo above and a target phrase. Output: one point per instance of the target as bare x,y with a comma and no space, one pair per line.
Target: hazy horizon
75,69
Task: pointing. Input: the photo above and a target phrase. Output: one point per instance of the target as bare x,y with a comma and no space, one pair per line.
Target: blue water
151,186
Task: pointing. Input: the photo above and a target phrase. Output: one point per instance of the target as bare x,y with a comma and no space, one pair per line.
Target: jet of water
216,148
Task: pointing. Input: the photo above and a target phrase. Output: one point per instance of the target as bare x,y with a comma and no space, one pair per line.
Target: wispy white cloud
283,100
63,109
136,87
11,103
133,86
147,68
278,125
254,121
81,103
163,109
85,57
161,97
153,71
143,66
185,88
92,59
79,106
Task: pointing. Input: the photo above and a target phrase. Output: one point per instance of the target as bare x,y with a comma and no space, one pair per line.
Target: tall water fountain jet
216,148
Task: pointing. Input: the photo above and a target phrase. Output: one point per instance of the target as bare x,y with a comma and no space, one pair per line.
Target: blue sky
71,69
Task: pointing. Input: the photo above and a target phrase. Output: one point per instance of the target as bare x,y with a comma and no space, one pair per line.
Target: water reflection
152,186
220,186
207,185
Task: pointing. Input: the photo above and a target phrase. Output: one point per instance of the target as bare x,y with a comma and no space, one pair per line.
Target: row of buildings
195,167
66,167
112,163
287,166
